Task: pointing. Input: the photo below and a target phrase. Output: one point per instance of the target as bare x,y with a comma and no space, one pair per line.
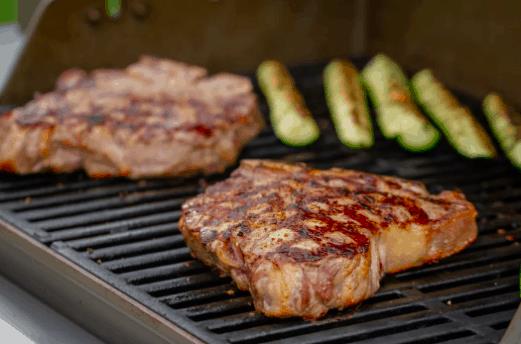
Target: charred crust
90,100
8,166
267,205
129,115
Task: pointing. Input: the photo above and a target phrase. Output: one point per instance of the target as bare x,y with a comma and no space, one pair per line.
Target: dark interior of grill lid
126,233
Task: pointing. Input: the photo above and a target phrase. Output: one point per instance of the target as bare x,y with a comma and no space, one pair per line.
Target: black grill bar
126,233
140,247
117,225
181,284
150,259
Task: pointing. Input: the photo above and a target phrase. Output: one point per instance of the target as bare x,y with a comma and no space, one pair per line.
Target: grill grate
126,233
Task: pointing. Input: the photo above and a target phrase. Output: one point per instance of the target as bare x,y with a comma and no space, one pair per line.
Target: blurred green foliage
8,11
113,7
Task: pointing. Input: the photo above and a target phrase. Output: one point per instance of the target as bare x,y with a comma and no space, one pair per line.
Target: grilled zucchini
505,123
458,124
346,101
397,115
292,122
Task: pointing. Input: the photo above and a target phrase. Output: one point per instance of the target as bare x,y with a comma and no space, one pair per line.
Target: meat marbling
304,241
155,118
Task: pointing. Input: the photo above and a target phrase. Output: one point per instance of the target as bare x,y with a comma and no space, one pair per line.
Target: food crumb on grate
449,302
230,292
203,184
28,200
510,237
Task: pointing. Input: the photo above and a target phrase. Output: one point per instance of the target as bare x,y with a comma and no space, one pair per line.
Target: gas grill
125,233
109,255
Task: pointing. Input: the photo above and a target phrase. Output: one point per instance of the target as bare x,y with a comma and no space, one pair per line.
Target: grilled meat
155,118
303,241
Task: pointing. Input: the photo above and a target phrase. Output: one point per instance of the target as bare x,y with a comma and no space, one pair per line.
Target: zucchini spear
505,123
292,122
397,115
462,130
346,101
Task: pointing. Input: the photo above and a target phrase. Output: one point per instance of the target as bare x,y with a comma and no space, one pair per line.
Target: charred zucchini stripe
396,114
505,123
458,124
292,122
346,101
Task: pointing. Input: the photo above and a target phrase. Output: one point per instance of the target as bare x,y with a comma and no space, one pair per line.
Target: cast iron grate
126,233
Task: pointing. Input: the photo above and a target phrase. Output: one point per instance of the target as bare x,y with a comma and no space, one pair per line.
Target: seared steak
155,118
303,241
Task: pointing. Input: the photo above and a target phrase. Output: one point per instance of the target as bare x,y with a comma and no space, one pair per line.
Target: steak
304,241
155,118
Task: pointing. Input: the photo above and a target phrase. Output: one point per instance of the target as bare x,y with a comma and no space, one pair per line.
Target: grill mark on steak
138,113
325,238
155,118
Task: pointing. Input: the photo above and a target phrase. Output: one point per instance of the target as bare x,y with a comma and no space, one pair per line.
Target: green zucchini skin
458,124
505,123
292,121
396,114
346,101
